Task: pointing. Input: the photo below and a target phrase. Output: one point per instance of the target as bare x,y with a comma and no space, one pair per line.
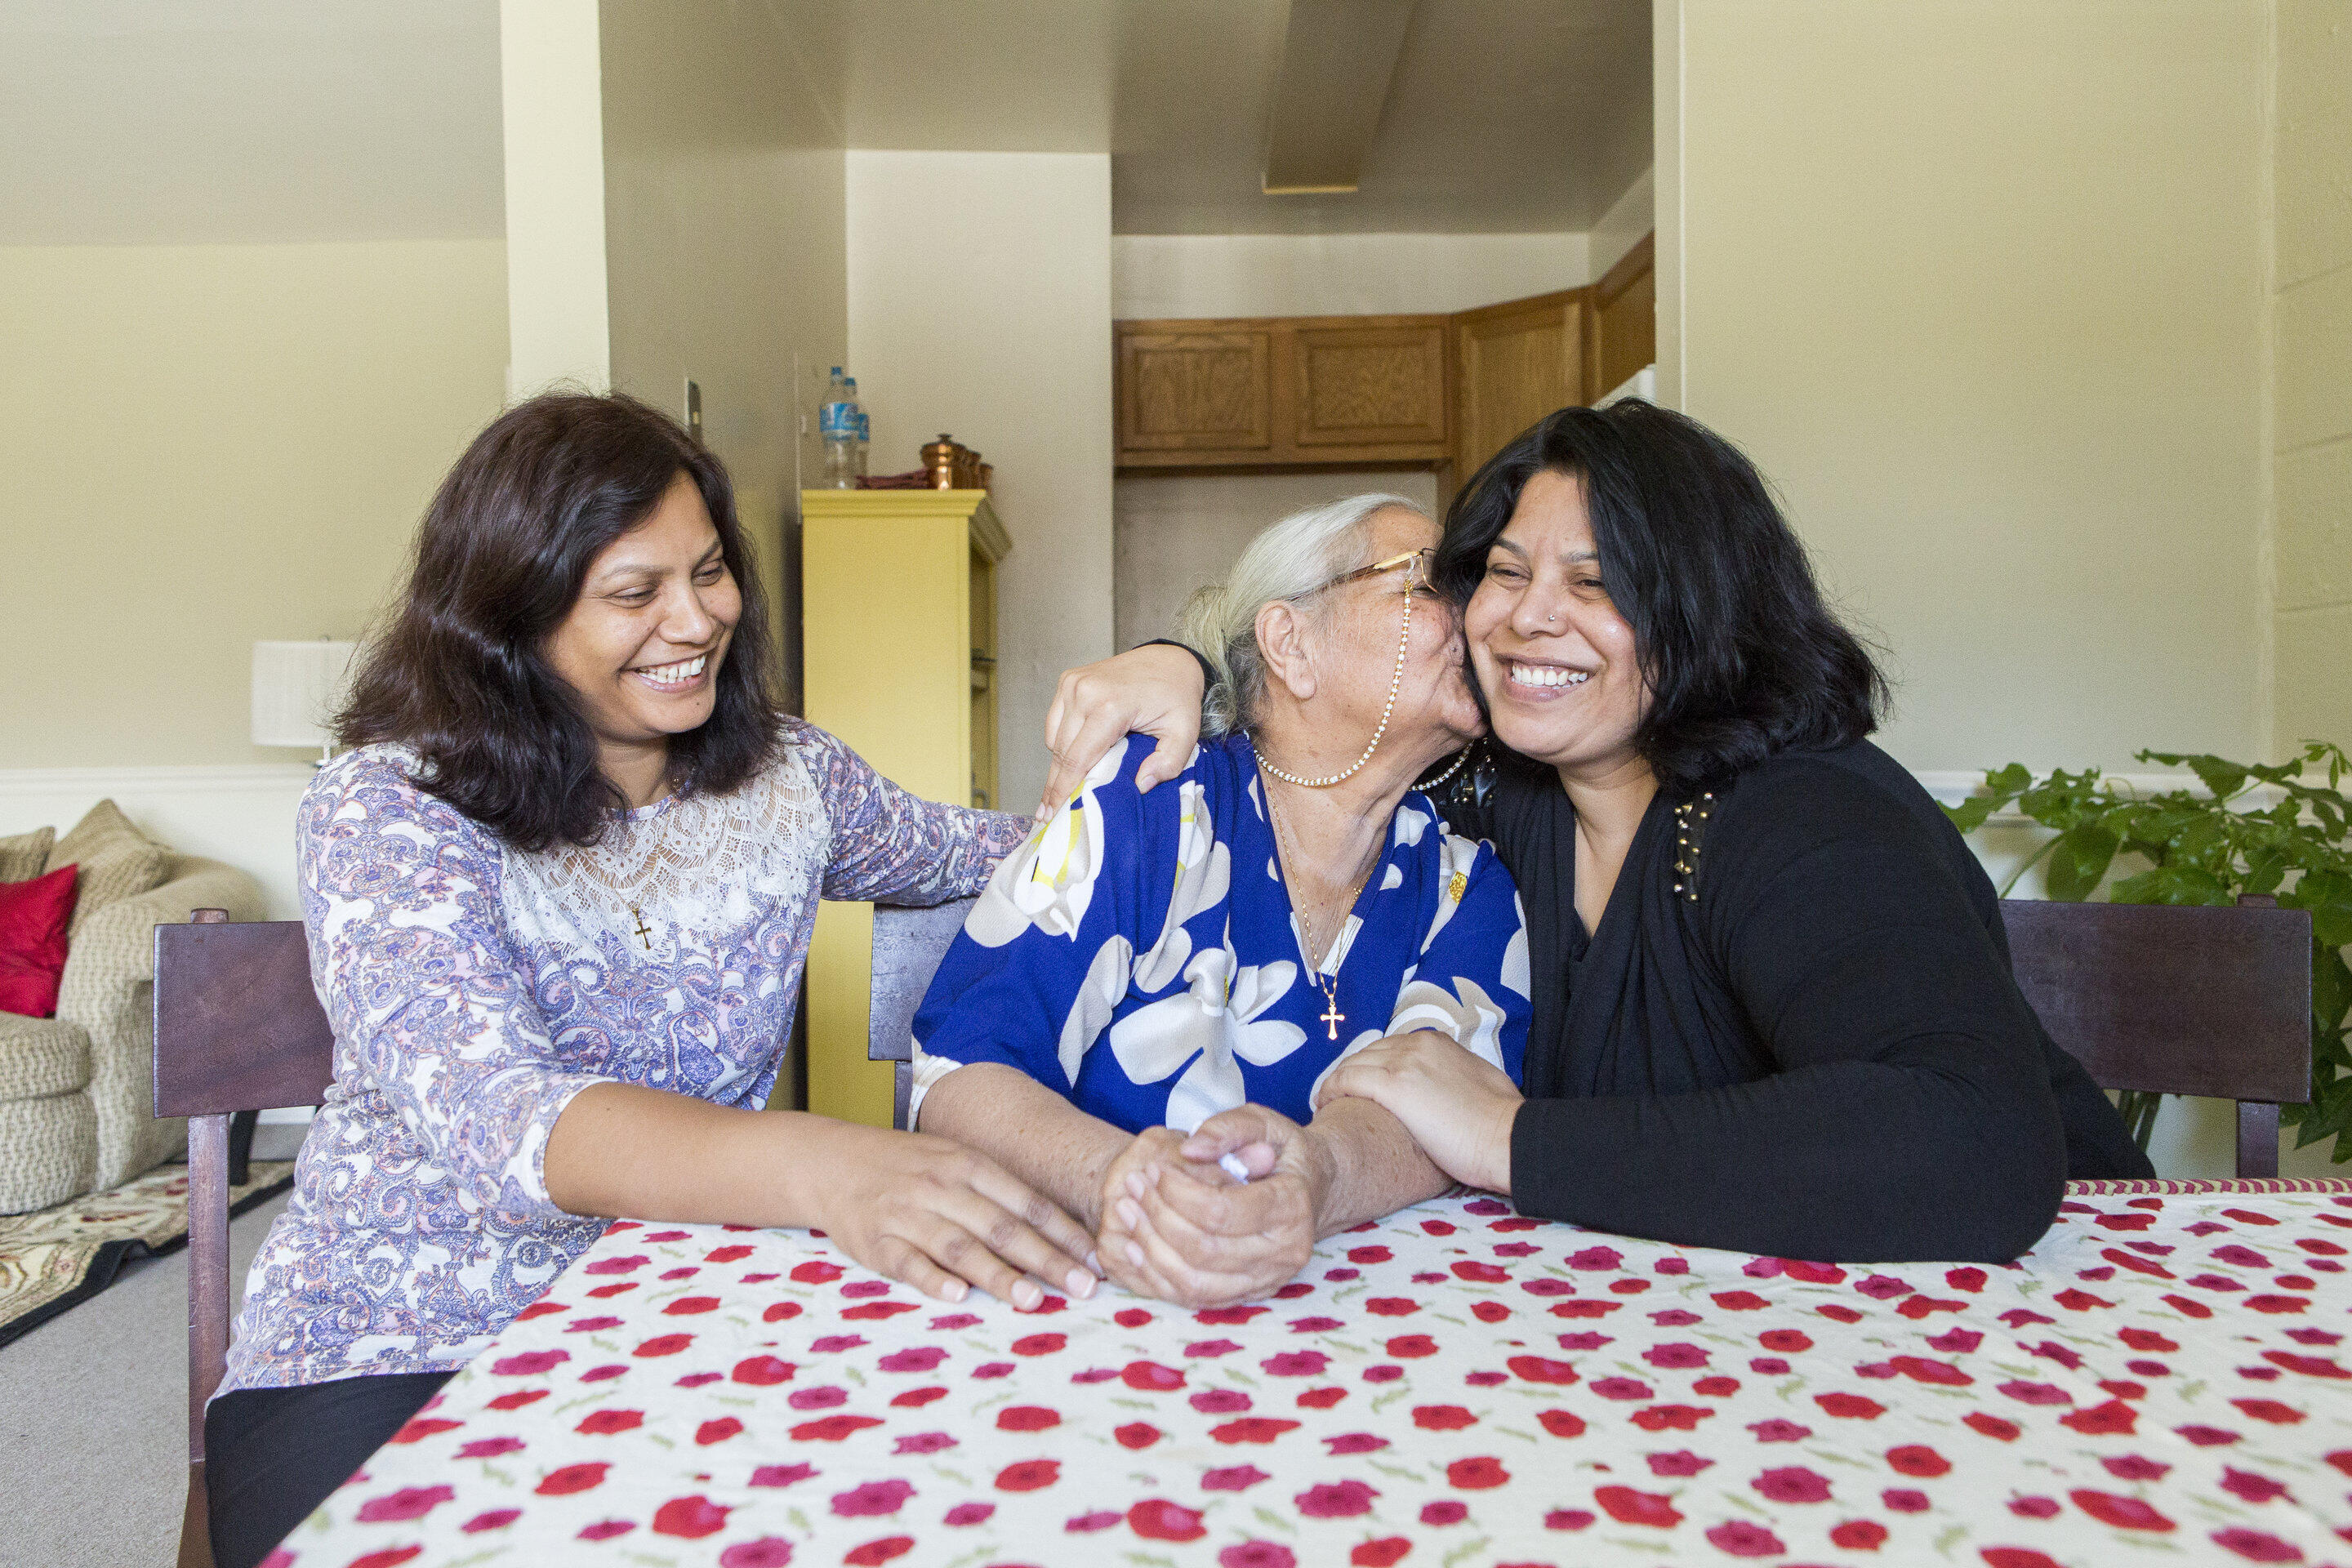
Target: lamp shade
297,686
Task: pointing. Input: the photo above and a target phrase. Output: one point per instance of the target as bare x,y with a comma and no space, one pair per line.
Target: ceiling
146,122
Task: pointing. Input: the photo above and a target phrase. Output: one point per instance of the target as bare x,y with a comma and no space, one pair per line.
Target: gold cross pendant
1332,1018
645,935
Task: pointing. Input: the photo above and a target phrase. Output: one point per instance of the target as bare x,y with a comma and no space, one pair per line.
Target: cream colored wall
980,304
2312,328
724,242
1928,265
1177,531
1155,275
1934,277
210,445
552,95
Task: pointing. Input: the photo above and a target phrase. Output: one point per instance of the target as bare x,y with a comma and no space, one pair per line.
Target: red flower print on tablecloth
1742,1538
1340,1500
768,1552
409,1502
691,1518
1793,1484
1029,1475
1627,1506
1709,1368
1476,1474
1156,1518
2120,1512
1257,1555
872,1498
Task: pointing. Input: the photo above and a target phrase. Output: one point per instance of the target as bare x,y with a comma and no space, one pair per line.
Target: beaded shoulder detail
1690,837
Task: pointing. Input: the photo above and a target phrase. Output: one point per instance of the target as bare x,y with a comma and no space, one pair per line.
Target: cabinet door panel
1360,386
1195,391
1518,363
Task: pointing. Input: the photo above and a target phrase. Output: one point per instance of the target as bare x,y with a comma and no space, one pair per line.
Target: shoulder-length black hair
459,674
1743,658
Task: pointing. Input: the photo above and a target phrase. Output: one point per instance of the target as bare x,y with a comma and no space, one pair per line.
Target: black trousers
272,1455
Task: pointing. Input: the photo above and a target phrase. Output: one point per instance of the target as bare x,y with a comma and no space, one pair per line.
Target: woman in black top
1774,1010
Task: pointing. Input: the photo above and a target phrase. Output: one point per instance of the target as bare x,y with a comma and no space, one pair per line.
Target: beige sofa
75,1090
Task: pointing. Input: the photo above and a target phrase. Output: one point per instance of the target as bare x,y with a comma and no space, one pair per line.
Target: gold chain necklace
1396,683
1330,1018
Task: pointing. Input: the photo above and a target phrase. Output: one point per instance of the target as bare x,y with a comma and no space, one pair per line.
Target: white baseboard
243,815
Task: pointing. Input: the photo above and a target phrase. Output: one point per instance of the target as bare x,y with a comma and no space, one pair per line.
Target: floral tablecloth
2163,1379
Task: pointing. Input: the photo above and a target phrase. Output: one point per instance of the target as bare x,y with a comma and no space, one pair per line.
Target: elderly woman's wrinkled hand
1458,1107
1178,1227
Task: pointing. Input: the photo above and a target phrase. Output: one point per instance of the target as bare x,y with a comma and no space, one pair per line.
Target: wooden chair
238,1029
908,946
2213,1002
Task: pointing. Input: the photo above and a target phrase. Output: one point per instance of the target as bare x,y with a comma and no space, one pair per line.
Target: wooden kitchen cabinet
1517,362
1625,311
1283,392
1441,392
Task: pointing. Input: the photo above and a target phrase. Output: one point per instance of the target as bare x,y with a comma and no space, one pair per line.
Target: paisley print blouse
1139,956
474,990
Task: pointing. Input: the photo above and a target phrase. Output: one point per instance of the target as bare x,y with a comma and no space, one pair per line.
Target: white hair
1302,552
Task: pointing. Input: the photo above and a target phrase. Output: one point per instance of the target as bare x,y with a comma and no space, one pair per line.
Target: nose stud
1549,619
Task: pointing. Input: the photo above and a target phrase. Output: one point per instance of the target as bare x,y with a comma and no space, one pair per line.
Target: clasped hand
1176,1225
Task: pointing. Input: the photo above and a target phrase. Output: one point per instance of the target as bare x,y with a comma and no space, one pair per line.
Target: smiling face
642,645
1563,682
1330,655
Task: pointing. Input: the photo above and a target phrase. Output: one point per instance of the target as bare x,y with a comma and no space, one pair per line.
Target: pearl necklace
1396,683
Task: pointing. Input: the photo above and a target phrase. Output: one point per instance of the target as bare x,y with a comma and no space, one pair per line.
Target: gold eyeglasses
1417,564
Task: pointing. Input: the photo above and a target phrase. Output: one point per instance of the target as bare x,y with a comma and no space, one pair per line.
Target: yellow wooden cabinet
899,651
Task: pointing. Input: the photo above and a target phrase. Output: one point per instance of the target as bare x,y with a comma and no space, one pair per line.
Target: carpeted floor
94,1415
58,1257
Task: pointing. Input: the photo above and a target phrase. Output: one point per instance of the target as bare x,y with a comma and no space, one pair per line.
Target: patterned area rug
55,1257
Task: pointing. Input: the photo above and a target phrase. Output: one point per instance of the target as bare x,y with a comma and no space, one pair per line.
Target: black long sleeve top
1795,1031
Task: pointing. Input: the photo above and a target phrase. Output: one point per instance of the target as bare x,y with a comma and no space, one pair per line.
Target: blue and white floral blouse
1138,954
474,990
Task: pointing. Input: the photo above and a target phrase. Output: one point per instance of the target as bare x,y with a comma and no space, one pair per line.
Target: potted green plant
2252,829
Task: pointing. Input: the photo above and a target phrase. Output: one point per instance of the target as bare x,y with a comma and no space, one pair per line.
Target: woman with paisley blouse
558,899
1154,973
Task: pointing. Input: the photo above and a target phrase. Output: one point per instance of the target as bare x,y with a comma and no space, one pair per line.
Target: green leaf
2081,858
2000,786
2171,885
2329,896
2331,988
2223,778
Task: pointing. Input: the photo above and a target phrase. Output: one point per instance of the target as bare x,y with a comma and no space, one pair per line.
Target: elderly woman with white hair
1195,960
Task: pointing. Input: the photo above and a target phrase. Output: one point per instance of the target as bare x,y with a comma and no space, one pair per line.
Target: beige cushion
117,861
41,1056
26,856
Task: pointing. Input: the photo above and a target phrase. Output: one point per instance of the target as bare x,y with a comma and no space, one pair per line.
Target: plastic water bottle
865,433
838,422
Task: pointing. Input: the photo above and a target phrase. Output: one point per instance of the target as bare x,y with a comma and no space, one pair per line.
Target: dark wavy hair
459,674
1744,660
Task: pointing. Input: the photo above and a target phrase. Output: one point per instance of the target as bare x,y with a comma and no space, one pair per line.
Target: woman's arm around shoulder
889,845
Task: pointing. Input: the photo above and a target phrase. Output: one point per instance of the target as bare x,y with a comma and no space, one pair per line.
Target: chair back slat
2213,1001
908,944
237,1023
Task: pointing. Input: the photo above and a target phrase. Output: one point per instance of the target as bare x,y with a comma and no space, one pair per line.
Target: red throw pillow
33,920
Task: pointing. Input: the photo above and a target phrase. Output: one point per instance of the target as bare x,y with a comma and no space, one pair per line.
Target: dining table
2162,1379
